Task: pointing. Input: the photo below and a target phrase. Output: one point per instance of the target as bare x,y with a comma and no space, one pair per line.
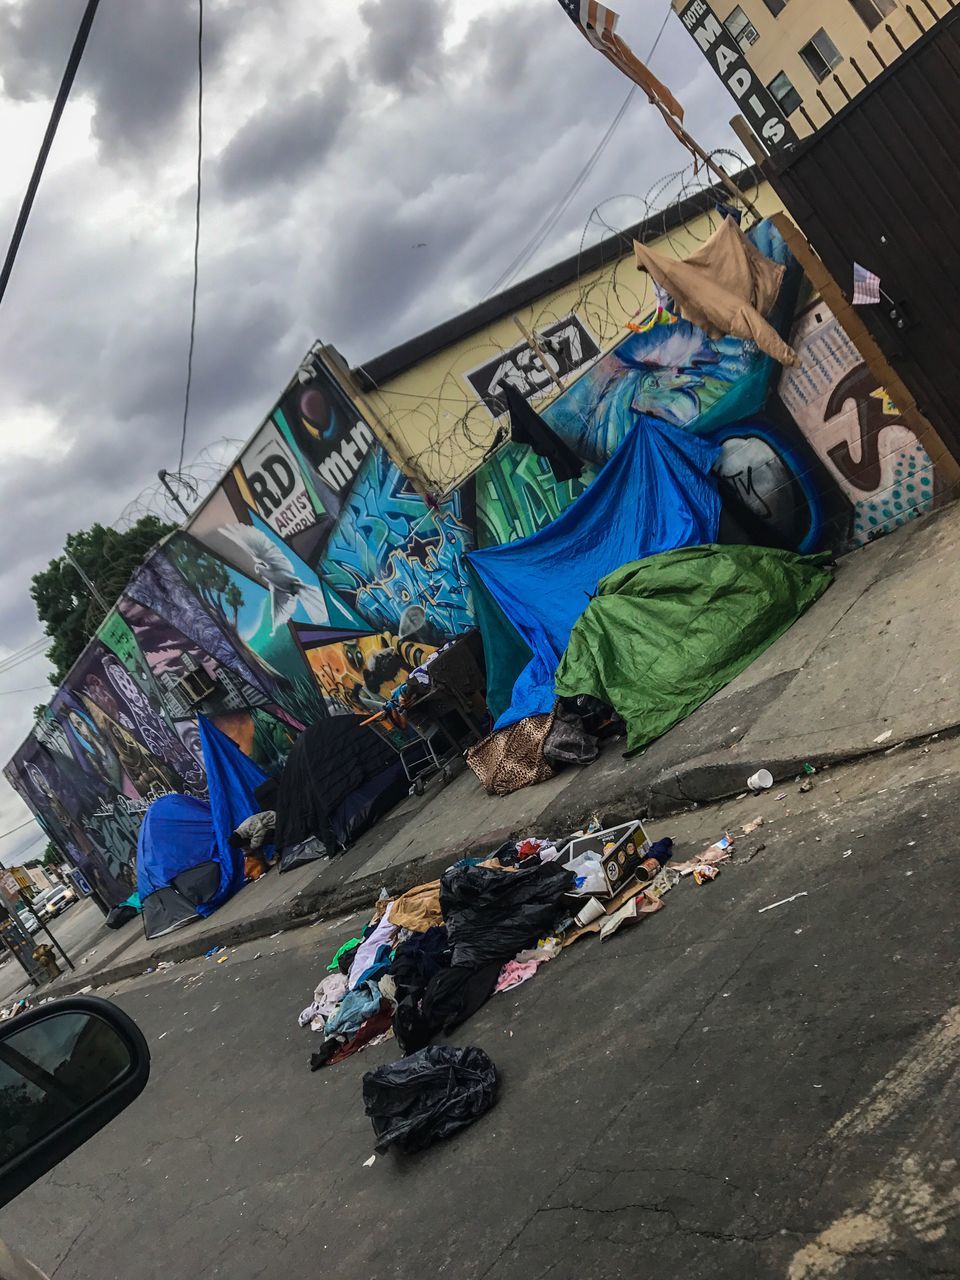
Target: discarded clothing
527,427
309,1014
514,974
414,963
367,952
344,954
329,994
355,1007
491,915
662,850
428,1096
451,997
325,1053
664,634
656,493
511,758
374,1026
726,288
418,909
377,967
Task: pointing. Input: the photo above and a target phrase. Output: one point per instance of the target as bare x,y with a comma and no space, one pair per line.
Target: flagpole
690,142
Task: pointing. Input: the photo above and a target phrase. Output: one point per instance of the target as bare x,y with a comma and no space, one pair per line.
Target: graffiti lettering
568,346
868,472
339,467
277,471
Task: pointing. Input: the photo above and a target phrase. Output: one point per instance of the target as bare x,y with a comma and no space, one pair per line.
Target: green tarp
665,633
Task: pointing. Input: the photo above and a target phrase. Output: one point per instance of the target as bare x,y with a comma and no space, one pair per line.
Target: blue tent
655,494
185,864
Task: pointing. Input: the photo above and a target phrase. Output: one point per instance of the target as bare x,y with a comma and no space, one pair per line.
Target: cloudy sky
338,135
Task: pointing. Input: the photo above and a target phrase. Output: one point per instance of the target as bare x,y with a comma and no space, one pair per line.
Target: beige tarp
726,288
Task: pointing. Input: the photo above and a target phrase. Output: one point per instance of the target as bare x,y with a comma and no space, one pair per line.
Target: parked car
28,920
51,902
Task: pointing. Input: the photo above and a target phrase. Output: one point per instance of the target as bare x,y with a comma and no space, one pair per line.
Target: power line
552,218
34,688
545,227
33,843
23,655
13,830
60,102
196,238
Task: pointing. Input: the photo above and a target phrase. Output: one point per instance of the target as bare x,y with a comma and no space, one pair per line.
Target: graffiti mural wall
311,583
316,577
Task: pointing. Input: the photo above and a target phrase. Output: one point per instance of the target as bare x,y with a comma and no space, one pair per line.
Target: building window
742,29
821,55
776,7
784,92
873,12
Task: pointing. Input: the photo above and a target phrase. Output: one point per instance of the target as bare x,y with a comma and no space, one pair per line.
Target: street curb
706,780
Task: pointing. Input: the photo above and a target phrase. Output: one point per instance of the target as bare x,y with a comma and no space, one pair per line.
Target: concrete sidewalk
870,666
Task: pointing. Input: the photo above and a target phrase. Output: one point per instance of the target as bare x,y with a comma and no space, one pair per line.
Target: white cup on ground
593,910
762,780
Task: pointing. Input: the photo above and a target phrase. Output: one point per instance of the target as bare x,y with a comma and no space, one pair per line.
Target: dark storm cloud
140,64
405,38
284,142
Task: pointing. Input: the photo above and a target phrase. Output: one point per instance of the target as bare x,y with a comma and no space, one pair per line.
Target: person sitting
250,837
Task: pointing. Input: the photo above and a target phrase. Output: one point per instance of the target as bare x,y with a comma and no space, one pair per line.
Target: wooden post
542,355
751,143
875,360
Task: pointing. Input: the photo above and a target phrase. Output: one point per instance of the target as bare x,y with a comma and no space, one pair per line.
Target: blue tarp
179,833
655,494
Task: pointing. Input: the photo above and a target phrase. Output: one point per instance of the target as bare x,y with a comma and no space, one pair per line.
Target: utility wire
34,688
196,238
60,102
552,218
23,655
13,830
33,843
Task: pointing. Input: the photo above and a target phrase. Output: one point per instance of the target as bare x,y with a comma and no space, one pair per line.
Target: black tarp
339,778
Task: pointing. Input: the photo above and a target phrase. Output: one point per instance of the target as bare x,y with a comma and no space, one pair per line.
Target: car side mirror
66,1070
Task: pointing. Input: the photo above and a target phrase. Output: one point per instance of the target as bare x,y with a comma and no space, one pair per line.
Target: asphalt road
719,1091
78,929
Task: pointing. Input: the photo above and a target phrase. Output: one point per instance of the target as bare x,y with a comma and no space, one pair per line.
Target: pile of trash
431,957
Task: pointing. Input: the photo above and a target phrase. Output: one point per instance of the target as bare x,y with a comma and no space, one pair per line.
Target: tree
64,605
52,857
208,576
234,598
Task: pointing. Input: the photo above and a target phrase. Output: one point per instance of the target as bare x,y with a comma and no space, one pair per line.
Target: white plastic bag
589,868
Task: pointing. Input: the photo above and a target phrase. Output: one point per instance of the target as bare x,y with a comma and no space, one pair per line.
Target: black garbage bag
119,916
568,742
491,915
430,1095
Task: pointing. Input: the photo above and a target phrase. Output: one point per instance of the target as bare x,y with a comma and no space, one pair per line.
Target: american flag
866,286
599,25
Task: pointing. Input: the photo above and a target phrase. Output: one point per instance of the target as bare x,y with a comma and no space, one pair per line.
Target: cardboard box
628,846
